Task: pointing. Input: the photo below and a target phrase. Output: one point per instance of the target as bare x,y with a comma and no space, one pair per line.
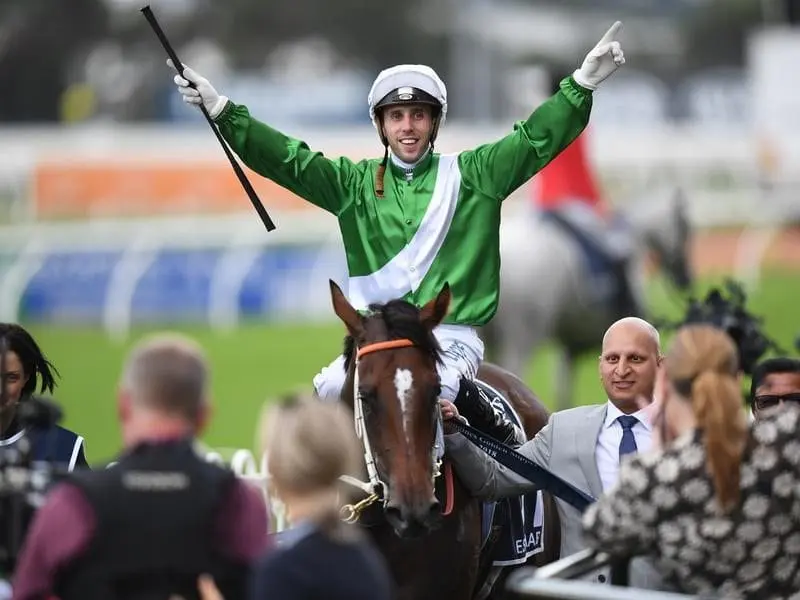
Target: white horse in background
550,293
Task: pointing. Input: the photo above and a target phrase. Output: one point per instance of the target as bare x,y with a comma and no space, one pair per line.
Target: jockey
23,366
416,219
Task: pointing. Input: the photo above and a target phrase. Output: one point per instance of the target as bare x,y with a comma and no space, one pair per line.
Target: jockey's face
408,128
628,365
14,380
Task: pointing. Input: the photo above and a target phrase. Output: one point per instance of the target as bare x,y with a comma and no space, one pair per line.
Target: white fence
244,464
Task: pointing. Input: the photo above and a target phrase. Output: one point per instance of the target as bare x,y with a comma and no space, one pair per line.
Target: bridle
375,488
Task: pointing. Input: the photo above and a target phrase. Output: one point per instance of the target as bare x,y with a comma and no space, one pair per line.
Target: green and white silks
471,185
440,223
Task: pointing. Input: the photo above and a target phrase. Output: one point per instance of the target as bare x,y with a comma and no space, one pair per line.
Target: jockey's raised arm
414,220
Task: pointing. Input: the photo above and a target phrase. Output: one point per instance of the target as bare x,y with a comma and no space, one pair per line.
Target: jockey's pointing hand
605,58
202,92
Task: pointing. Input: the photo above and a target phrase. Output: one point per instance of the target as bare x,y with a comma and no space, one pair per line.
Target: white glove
205,93
605,58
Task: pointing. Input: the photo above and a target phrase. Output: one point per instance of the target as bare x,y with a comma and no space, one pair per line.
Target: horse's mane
402,322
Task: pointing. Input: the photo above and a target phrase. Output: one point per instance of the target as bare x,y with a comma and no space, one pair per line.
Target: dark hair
34,363
402,321
767,367
730,315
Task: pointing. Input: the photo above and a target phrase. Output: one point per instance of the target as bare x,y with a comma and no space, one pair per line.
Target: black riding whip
251,193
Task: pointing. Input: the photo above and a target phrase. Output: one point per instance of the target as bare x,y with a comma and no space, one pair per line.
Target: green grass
260,361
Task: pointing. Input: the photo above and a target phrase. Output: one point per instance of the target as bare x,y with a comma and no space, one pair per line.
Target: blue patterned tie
628,443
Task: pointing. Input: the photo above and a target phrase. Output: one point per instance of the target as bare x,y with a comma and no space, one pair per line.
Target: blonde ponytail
309,445
717,404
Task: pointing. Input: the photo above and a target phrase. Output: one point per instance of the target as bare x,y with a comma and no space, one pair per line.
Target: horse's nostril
434,514
394,514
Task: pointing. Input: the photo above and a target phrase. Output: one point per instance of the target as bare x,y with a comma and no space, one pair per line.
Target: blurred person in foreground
152,523
24,367
717,505
416,219
583,445
309,445
775,382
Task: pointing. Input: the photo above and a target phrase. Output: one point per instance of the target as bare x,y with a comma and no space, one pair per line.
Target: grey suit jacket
566,446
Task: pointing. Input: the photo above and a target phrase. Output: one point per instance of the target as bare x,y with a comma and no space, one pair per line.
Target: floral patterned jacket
664,506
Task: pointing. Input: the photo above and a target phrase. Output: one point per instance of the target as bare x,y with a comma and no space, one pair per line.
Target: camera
726,310
24,481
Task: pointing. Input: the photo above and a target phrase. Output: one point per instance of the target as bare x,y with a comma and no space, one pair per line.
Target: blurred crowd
697,484
163,521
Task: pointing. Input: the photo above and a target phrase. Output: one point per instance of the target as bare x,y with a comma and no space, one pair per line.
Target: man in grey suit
583,445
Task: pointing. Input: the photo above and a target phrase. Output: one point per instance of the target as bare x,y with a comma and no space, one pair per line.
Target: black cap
407,95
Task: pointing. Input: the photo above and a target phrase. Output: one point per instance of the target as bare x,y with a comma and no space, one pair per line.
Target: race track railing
557,581
243,463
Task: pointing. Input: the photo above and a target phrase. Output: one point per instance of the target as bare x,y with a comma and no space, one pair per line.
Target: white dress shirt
607,449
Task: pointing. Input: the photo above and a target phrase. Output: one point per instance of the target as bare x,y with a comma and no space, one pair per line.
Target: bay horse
419,515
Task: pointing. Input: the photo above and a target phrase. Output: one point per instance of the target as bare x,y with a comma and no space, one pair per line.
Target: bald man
583,445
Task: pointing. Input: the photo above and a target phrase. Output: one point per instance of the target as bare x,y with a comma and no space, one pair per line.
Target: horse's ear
345,311
435,310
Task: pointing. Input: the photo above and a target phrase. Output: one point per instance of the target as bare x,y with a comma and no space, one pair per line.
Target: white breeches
462,354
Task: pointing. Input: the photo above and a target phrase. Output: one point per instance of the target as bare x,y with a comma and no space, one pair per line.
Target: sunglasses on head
766,401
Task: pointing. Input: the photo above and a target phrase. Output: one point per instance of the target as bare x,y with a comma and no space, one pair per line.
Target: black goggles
767,401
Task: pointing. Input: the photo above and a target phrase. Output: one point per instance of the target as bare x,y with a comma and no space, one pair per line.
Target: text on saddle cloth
521,518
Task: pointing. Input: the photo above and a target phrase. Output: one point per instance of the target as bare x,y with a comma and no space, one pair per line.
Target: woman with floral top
718,507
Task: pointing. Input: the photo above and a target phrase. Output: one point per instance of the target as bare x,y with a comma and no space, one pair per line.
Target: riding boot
476,407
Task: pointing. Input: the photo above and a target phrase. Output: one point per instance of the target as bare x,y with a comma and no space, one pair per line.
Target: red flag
568,177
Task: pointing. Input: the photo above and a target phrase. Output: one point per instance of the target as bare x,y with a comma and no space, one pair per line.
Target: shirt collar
12,434
403,170
293,535
644,415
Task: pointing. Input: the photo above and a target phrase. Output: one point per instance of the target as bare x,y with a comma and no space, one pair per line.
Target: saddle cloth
520,519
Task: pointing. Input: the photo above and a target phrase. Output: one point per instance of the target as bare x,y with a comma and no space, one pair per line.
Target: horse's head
393,388
666,231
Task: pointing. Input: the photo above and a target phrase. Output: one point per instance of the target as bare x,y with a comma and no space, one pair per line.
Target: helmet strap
379,174
435,128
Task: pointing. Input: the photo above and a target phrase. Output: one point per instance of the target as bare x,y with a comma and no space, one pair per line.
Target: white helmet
408,84
405,84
